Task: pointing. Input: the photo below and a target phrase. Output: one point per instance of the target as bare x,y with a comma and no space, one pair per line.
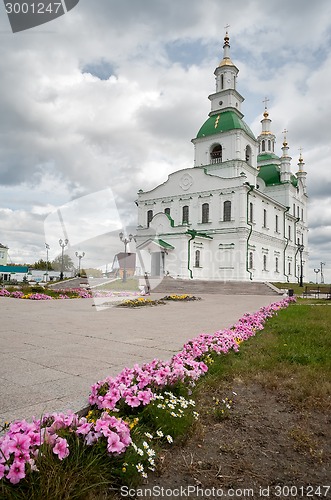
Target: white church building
239,213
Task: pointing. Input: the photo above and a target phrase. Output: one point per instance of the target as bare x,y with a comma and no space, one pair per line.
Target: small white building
239,213
3,255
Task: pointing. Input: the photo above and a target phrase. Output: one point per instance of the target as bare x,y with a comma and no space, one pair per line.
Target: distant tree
42,264
68,264
95,273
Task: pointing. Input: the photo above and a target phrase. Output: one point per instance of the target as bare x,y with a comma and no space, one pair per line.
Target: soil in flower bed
263,442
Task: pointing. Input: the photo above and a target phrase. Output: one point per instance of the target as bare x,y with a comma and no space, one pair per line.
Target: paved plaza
51,352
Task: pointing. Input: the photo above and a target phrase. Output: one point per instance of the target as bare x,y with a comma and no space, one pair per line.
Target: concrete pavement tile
37,376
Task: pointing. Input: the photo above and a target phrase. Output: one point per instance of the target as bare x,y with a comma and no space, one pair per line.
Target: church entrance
156,264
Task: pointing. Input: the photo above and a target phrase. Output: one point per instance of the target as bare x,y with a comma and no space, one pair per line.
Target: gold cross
265,102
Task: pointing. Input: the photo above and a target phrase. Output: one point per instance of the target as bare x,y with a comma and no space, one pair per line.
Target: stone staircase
178,286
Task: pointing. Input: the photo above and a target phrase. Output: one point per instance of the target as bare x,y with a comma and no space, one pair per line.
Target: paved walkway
52,351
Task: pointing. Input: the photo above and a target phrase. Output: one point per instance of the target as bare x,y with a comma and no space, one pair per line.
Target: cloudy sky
105,100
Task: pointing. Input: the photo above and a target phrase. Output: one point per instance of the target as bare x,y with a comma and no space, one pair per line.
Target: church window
269,145
264,262
289,268
216,154
197,258
205,212
263,145
167,211
149,217
227,211
222,82
273,147
264,218
248,154
302,214
185,214
294,209
277,265
250,260
289,232
251,212
277,228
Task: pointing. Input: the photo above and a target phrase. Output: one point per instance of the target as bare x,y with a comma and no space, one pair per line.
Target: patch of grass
131,284
292,354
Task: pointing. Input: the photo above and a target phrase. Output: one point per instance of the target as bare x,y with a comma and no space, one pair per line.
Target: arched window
269,145
264,262
277,265
264,218
289,232
205,212
250,260
222,82
185,214
216,154
263,145
149,217
167,211
248,154
227,211
276,224
289,268
197,258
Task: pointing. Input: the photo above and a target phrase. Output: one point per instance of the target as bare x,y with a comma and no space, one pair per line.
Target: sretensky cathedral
239,213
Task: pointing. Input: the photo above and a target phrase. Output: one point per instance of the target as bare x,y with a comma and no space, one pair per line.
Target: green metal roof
14,269
267,156
270,174
164,244
223,122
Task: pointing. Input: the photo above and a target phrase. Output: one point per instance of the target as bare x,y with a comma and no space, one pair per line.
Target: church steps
180,286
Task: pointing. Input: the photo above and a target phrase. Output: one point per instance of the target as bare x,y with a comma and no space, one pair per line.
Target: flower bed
67,293
181,298
140,302
130,414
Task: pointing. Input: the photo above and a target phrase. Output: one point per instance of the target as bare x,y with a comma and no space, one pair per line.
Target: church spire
285,161
266,138
226,95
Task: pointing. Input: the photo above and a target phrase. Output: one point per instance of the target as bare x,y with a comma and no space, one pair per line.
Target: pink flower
132,401
114,445
61,448
145,396
16,472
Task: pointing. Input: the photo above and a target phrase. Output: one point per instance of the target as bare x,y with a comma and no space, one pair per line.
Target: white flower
140,467
140,451
148,435
169,439
159,434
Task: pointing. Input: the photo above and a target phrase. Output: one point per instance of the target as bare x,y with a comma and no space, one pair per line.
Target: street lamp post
79,256
46,274
316,271
125,240
322,275
301,248
62,244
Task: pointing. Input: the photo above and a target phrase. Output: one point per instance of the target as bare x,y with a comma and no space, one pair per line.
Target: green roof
164,244
267,156
270,174
223,122
14,269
